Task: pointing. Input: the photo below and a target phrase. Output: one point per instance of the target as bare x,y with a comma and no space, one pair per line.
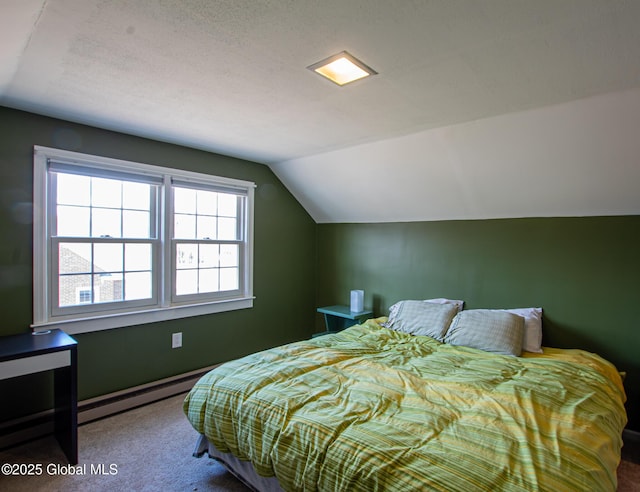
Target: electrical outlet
176,340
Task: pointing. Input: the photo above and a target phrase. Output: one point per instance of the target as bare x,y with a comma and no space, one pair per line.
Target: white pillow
532,328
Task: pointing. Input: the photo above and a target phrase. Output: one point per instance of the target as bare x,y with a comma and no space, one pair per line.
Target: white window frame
166,306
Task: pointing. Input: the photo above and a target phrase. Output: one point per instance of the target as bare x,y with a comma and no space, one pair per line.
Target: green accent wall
584,272
112,360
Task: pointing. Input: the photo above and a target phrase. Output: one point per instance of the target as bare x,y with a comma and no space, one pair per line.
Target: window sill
121,320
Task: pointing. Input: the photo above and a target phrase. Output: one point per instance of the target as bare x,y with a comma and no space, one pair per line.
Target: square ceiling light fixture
342,68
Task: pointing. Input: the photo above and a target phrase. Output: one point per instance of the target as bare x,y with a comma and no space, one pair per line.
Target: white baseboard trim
40,424
119,401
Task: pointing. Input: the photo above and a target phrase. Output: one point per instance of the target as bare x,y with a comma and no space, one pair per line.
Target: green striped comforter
374,409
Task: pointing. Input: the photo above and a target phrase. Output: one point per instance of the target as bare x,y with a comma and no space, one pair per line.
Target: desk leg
65,387
328,322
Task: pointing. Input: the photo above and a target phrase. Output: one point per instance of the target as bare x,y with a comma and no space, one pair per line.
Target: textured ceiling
230,77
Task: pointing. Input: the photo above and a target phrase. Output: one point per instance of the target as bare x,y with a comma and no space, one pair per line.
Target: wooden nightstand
338,318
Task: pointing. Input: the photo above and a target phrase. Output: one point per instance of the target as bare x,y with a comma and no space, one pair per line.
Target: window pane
208,280
85,296
108,257
73,190
137,257
135,224
107,287
227,205
186,282
229,279
209,254
105,222
184,200
72,221
206,227
136,196
72,289
137,285
74,258
184,227
229,255
187,256
227,229
106,193
207,202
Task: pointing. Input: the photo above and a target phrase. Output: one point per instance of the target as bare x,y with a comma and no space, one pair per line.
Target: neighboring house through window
119,243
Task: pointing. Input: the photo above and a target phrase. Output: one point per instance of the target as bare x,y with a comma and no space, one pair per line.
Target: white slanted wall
574,159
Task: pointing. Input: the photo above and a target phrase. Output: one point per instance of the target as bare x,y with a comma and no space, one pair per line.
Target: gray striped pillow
492,331
421,318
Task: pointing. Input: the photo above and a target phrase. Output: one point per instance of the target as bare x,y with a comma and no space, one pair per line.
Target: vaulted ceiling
481,108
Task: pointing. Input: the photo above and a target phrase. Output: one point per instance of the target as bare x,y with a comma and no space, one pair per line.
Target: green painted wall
284,269
584,273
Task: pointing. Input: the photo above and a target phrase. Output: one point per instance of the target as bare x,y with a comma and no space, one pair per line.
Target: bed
443,403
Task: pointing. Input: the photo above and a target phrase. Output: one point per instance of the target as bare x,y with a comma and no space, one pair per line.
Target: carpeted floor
147,449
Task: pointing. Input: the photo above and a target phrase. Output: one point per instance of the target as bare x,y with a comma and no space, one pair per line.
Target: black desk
29,353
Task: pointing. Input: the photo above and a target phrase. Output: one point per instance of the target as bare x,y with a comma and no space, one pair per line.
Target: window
120,243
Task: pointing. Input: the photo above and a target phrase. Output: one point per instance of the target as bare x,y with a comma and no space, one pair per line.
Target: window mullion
167,247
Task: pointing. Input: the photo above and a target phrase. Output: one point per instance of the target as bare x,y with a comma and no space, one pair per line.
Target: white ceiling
481,108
